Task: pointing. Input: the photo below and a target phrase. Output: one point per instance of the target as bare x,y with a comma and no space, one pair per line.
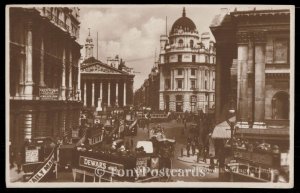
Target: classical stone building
186,68
43,73
105,85
254,47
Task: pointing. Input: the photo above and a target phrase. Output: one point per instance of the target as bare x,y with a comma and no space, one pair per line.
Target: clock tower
89,46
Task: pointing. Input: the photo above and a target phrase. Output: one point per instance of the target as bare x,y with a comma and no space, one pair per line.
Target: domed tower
186,68
89,46
183,33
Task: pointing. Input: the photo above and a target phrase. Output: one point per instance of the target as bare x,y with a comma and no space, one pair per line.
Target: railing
57,21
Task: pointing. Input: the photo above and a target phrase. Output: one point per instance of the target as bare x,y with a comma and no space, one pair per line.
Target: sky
133,31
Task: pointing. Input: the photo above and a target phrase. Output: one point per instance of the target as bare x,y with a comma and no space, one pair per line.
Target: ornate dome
184,23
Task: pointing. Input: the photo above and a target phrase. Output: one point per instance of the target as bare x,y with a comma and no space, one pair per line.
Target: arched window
280,105
180,43
191,43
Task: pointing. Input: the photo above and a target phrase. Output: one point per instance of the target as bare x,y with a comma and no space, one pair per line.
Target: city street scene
149,95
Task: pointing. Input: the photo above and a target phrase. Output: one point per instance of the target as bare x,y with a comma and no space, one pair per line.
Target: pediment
99,69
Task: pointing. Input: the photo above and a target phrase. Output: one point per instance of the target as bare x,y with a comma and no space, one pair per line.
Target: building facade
43,79
105,85
254,47
148,94
186,69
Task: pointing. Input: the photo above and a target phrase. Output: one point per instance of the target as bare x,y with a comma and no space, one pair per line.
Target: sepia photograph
149,95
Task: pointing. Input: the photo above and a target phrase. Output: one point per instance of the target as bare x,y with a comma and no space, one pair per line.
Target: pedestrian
198,156
205,153
19,162
184,120
193,147
188,149
131,143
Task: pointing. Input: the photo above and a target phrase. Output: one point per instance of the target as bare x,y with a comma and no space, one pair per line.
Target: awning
222,130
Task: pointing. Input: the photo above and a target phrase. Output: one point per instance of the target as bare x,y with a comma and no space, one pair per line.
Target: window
180,43
191,43
179,71
206,59
179,83
205,84
167,84
205,72
193,58
193,84
213,84
179,58
193,71
213,98
281,51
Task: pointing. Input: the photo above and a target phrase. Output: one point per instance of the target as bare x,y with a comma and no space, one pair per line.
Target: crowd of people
256,146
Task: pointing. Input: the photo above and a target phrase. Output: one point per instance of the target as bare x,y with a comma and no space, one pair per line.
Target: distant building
105,85
253,68
148,94
44,58
186,69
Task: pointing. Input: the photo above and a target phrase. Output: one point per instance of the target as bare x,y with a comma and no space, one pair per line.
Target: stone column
259,115
243,40
197,78
63,78
28,89
161,85
42,67
108,92
84,94
70,94
188,79
22,72
172,79
93,94
117,94
79,81
99,106
124,100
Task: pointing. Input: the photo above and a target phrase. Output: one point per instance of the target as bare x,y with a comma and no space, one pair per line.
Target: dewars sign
106,166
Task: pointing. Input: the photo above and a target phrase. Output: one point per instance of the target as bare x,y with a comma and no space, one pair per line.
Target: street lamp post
231,112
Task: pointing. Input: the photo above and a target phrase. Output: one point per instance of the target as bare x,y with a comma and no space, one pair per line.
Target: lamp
231,112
